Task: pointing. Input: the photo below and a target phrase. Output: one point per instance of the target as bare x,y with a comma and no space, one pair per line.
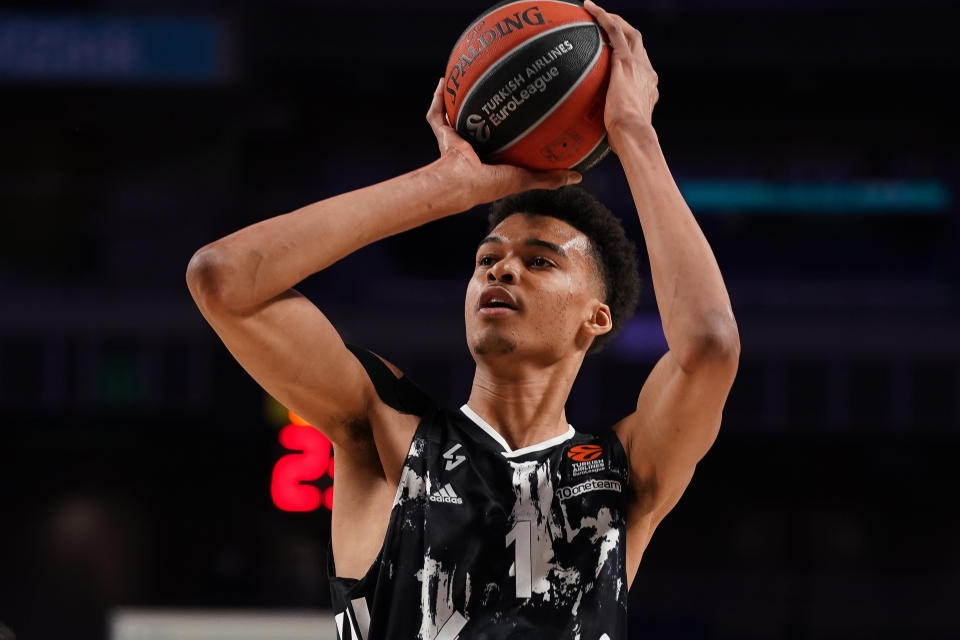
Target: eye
540,262
486,261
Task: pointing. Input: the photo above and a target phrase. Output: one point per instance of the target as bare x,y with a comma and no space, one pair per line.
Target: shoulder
605,440
392,387
393,413
601,450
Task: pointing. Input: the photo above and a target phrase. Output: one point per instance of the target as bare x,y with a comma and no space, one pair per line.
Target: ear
600,320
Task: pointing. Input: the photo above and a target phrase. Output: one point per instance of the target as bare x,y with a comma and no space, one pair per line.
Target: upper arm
293,351
676,421
288,346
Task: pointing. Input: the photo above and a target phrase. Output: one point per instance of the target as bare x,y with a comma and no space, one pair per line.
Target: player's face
534,287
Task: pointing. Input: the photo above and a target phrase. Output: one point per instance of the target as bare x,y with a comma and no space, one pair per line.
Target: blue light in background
868,196
116,49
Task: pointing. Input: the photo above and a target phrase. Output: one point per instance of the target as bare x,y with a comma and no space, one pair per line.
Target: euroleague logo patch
586,458
585,452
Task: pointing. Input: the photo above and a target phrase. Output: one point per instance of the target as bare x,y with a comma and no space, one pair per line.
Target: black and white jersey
489,542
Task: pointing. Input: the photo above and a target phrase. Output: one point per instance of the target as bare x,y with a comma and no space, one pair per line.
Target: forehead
520,227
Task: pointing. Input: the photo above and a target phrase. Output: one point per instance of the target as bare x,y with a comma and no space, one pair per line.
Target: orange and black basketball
526,85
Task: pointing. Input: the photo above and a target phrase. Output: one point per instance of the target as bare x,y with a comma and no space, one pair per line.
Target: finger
524,179
635,38
437,118
554,179
435,115
612,24
621,33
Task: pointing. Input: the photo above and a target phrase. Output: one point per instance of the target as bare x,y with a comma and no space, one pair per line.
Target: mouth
496,301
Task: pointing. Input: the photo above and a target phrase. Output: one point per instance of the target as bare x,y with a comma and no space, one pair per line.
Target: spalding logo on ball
526,85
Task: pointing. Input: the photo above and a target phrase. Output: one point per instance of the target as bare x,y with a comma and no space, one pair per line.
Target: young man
497,520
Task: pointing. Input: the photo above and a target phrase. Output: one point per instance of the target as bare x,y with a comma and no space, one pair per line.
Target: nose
503,271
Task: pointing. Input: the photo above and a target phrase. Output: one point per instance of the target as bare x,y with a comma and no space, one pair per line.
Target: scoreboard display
302,480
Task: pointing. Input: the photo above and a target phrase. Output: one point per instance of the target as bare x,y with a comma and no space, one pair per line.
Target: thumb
555,179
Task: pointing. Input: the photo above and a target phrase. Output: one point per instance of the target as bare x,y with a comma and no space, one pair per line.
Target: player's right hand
485,182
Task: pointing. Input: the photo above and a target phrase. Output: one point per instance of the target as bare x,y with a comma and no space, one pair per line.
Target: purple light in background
641,339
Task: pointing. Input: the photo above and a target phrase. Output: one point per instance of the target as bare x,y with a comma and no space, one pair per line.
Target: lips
497,298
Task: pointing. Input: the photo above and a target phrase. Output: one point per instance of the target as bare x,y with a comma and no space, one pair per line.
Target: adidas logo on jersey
446,494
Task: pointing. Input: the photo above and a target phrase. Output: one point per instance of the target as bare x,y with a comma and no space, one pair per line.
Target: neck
525,404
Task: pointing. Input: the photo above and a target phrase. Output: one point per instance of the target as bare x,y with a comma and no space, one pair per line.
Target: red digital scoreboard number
310,460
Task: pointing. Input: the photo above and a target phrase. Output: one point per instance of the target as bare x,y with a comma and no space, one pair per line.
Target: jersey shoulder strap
398,393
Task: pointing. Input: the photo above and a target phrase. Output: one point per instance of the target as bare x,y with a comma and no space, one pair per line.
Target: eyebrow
530,242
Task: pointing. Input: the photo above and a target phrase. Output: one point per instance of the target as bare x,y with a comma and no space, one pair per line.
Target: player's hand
485,182
633,82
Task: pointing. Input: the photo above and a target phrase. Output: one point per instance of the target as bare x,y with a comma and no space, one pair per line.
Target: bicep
676,421
293,351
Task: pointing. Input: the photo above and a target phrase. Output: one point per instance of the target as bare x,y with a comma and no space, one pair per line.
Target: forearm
691,296
253,265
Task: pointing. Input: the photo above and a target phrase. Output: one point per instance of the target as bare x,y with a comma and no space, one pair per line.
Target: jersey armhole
397,393
404,396
619,452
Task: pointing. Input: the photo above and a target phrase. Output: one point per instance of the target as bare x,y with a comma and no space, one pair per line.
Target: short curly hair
615,254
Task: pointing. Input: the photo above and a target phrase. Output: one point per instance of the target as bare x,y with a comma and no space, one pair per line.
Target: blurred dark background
815,141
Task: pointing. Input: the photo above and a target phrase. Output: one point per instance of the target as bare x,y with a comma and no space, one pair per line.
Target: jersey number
520,537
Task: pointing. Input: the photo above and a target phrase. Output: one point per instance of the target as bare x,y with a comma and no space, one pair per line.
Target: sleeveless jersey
491,543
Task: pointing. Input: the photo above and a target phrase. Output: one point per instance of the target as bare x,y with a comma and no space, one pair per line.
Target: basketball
526,84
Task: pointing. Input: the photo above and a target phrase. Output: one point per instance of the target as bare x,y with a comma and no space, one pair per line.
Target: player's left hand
633,82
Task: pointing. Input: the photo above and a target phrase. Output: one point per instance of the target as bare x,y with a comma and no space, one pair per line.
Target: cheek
466,302
569,301
557,308
470,297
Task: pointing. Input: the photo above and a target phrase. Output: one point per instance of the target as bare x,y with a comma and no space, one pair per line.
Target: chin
492,344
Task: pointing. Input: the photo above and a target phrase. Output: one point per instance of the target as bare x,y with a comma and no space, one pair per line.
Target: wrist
454,178
629,136
638,150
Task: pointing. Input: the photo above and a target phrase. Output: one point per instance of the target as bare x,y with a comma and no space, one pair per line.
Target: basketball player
496,520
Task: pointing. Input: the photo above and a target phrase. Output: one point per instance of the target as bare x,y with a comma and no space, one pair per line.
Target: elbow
208,279
713,341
